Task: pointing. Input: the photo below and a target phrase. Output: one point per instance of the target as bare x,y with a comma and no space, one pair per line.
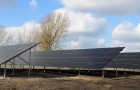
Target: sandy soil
70,83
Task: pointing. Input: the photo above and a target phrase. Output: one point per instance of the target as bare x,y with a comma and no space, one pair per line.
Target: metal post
0,68
79,72
124,71
103,74
29,63
88,70
133,71
116,73
44,69
5,69
20,67
13,66
59,70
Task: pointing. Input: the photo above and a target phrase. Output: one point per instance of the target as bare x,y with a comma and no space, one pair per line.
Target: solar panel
9,52
126,60
81,58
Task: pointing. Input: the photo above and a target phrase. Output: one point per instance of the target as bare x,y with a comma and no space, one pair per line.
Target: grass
70,83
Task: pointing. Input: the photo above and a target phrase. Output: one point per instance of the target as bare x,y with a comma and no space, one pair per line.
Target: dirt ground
70,83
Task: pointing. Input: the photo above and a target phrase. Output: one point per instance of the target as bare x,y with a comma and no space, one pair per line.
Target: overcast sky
94,23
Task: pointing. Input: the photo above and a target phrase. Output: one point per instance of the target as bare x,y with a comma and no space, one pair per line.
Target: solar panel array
126,60
80,58
9,52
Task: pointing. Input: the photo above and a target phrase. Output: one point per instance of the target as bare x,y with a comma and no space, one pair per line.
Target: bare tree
53,29
27,36
4,37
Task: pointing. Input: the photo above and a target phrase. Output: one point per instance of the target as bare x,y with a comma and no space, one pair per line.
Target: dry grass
70,83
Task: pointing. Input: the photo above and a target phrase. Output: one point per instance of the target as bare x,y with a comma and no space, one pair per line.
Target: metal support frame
0,68
29,71
116,73
11,62
44,69
22,59
4,70
124,71
33,67
79,72
20,67
59,70
103,74
13,66
88,70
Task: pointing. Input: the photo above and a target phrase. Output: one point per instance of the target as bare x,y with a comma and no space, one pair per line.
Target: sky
93,23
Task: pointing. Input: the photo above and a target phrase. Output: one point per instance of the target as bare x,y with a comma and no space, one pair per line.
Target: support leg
88,70
103,74
133,71
116,73
79,72
4,69
124,71
0,69
13,67
20,67
44,69
29,71
59,70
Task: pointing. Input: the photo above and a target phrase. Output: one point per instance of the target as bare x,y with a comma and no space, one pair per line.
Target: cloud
84,42
8,3
101,42
128,35
25,28
85,29
107,7
86,37
28,26
33,4
84,22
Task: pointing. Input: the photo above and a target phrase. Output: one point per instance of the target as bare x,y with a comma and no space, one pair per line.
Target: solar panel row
126,60
81,58
9,52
